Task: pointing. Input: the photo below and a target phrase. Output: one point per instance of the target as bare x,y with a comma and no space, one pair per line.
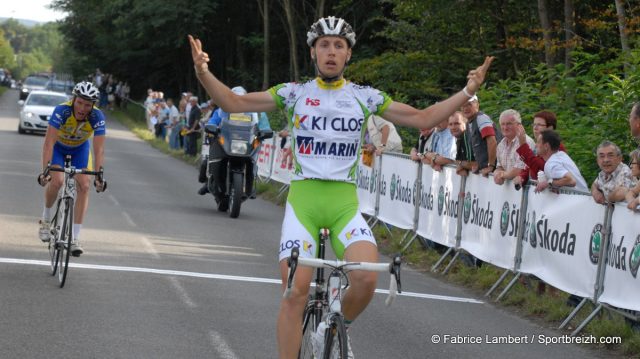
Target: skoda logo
392,187
504,219
634,258
532,231
372,182
467,207
440,200
596,243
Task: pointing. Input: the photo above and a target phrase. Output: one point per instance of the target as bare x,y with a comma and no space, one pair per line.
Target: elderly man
559,168
193,122
614,179
484,136
509,163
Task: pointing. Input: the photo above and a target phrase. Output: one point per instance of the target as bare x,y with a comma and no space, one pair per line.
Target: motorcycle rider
218,164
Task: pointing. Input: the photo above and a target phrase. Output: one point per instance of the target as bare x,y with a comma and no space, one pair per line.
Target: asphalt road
164,275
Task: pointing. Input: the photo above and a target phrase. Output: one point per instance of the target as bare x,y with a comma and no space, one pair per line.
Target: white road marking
222,277
184,296
221,346
114,200
128,219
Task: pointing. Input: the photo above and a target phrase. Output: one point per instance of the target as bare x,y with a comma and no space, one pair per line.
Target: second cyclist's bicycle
325,303
62,223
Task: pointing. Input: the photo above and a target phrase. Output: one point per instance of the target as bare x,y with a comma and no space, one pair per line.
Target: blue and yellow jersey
73,133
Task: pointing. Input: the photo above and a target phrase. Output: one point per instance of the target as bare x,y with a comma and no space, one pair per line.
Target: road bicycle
62,223
325,302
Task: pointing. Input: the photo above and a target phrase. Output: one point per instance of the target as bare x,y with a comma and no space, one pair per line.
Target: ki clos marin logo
472,212
541,235
509,219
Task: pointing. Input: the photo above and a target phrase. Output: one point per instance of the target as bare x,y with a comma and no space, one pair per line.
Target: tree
569,31
624,38
543,13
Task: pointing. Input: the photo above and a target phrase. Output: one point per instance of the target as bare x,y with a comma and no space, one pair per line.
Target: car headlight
28,115
25,90
238,147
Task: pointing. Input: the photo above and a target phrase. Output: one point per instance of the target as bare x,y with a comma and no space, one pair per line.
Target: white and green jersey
327,123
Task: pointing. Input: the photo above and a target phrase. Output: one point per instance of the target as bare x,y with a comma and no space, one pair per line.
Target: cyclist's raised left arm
431,116
220,93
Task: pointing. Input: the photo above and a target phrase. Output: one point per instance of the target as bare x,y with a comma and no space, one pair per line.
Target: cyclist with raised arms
70,127
327,121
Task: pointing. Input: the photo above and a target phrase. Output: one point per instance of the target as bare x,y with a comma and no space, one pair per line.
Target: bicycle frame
327,295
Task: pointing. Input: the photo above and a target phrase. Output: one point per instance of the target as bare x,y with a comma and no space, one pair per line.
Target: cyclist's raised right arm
220,93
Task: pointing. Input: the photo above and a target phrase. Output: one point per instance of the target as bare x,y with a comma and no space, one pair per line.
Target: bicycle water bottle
334,292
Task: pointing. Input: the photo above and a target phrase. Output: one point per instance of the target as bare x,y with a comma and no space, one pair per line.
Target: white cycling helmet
239,90
331,26
86,90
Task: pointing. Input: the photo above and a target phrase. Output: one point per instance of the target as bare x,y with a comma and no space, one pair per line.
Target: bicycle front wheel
55,235
64,248
310,321
335,342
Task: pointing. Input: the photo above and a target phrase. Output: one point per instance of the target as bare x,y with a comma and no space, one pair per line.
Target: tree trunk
293,45
569,32
543,13
263,5
320,9
624,38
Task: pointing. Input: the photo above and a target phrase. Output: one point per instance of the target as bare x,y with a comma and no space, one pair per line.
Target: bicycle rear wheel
53,239
310,321
336,342
64,247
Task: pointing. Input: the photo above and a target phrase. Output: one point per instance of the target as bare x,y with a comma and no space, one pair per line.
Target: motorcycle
233,147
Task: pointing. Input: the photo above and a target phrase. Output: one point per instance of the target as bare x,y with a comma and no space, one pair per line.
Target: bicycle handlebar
74,171
393,268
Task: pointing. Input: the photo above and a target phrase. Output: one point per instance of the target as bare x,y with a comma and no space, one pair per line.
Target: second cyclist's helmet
86,90
331,26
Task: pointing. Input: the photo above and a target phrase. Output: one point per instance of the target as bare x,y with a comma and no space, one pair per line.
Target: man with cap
484,136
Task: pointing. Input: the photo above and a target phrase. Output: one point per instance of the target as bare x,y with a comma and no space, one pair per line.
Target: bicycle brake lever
292,262
397,260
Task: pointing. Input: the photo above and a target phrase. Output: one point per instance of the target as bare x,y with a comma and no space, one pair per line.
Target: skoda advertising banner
281,169
621,277
265,158
557,245
398,190
439,203
490,217
367,182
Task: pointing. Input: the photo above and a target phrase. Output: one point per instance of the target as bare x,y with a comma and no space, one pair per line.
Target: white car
36,110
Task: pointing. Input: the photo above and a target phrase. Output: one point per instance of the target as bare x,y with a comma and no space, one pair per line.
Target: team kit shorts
80,155
314,204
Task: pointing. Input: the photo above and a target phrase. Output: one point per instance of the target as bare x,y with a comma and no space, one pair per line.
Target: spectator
559,168
174,125
633,201
484,136
465,160
634,122
423,145
614,179
148,105
381,136
443,146
542,121
191,145
509,163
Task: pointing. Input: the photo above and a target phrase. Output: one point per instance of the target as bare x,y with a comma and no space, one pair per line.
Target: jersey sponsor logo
339,124
308,247
299,122
309,146
312,102
343,104
357,232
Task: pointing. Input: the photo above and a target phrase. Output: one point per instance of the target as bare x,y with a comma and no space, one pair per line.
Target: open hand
476,77
200,58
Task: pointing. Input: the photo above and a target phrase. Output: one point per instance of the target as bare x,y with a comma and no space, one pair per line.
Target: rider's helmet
87,91
239,90
331,26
